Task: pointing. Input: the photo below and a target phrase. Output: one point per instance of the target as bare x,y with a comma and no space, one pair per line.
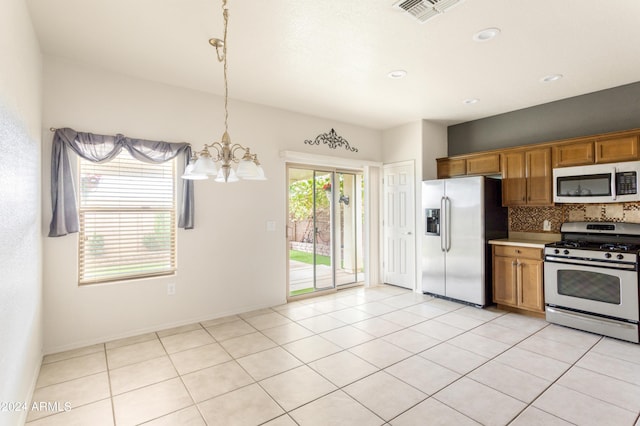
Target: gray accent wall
598,112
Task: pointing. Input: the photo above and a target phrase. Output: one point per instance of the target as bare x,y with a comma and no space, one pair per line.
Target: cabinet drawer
516,251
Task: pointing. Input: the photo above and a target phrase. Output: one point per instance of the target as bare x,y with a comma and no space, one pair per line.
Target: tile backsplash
531,219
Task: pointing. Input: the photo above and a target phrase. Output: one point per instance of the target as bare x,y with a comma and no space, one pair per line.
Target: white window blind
127,214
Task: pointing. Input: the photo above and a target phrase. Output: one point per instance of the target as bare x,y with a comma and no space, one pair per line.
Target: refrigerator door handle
447,201
443,224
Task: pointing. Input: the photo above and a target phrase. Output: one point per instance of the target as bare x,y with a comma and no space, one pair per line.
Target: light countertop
527,239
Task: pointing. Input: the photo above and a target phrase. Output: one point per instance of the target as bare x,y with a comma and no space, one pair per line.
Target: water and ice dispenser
432,221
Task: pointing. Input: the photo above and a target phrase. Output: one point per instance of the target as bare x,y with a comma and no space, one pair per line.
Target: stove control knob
620,257
566,252
607,255
556,251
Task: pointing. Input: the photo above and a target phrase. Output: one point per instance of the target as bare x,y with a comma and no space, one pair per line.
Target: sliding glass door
324,229
348,235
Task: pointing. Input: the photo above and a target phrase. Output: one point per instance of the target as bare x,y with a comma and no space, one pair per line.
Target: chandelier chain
225,14
203,163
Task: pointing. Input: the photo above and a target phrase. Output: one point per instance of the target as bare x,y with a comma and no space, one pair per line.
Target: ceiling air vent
423,10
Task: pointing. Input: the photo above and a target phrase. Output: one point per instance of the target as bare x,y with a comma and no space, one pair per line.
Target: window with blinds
127,214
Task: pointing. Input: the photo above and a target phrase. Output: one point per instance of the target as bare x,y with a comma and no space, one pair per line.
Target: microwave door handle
613,185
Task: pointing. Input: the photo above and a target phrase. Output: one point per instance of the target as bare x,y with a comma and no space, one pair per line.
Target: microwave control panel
626,183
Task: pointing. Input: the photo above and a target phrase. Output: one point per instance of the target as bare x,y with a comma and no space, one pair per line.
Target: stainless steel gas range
591,278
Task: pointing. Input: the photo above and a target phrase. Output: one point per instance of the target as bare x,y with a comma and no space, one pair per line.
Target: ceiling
330,58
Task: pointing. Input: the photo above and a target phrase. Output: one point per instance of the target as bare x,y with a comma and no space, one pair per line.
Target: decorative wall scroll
333,140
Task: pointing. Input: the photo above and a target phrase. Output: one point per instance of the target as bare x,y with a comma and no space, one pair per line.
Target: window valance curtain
100,149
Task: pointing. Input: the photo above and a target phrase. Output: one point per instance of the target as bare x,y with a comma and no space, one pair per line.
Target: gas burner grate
570,244
619,247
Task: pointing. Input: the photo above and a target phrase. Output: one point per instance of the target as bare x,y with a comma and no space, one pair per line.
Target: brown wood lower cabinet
518,278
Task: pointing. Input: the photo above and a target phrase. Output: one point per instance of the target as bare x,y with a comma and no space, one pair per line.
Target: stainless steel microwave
598,183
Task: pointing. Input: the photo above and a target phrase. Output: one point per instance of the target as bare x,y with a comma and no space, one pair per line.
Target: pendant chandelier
219,163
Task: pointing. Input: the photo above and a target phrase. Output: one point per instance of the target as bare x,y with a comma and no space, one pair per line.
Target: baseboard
32,388
152,329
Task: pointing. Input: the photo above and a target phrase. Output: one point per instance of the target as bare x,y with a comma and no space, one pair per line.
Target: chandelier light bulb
247,169
232,177
260,175
205,166
190,175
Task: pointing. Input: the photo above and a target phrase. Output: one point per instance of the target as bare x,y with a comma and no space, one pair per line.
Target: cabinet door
575,154
539,177
504,280
620,149
448,167
530,291
514,182
487,164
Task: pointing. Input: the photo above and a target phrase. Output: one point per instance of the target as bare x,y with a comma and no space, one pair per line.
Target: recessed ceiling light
551,78
397,74
486,34
470,101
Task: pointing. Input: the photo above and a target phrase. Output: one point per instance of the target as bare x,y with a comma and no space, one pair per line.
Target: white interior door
399,225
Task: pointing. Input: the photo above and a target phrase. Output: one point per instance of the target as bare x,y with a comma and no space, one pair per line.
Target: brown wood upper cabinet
617,149
527,177
598,151
486,164
451,167
574,154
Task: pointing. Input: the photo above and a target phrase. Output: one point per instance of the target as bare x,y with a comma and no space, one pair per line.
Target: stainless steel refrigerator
460,215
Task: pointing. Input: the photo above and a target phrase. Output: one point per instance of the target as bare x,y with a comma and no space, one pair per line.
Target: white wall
422,141
402,143
20,238
229,263
434,145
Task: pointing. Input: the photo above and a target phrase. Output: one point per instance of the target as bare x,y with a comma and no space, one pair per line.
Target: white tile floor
358,357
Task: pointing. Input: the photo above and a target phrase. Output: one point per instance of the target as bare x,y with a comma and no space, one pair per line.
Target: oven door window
589,285
584,186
